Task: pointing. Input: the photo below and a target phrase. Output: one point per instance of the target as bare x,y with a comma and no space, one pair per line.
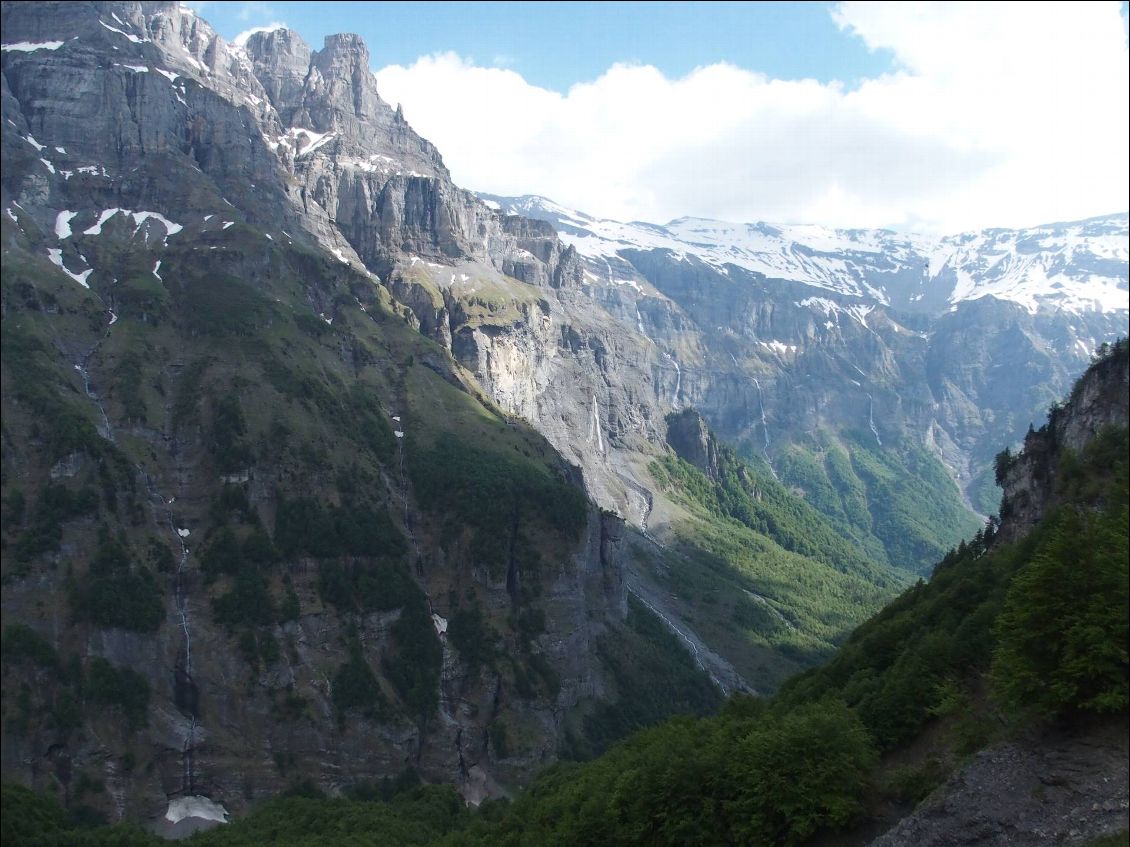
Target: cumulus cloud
998,115
241,39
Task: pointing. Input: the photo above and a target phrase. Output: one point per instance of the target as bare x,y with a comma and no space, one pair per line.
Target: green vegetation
494,495
355,687
66,688
303,526
1062,651
116,592
769,609
737,492
896,502
414,667
470,635
654,676
56,505
217,304
121,688
23,645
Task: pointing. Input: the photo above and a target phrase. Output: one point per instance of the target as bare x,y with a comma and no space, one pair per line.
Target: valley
324,476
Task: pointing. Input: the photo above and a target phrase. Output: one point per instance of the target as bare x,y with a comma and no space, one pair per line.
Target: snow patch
139,218
779,347
31,46
195,807
132,38
63,224
56,257
305,141
96,229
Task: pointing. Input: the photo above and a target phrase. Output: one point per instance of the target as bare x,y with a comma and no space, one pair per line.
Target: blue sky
931,117
555,45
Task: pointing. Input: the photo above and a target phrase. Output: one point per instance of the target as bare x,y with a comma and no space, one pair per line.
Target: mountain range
351,470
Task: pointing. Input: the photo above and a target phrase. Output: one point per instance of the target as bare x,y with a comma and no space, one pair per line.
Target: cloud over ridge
998,115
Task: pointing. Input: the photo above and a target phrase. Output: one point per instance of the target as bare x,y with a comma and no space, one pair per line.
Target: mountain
257,527
1075,267
987,706
958,342
316,468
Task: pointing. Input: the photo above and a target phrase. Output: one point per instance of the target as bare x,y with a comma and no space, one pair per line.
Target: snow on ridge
31,46
314,140
1078,266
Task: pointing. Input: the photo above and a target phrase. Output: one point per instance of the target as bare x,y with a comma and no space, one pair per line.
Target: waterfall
675,402
106,431
594,427
871,419
608,268
764,430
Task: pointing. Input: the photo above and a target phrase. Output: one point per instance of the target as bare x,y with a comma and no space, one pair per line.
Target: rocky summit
318,468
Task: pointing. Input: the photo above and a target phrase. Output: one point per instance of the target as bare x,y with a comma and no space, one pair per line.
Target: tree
1062,635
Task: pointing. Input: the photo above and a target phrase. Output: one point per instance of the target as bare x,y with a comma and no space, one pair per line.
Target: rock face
1030,481
168,196
776,332
1060,791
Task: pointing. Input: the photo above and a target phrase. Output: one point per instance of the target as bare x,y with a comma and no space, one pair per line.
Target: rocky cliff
235,532
1033,481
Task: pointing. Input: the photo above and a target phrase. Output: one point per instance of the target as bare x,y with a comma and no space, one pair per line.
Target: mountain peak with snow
1077,266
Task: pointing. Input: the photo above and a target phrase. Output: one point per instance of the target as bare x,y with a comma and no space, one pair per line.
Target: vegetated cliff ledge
1032,481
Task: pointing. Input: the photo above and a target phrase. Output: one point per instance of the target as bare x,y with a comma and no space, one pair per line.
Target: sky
931,117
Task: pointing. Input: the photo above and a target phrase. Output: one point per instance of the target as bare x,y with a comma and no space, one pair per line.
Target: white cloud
1000,115
241,39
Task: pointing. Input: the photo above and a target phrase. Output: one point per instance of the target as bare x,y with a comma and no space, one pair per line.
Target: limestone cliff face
140,151
1030,482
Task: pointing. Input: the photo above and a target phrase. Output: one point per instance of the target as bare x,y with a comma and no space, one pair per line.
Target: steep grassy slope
758,573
